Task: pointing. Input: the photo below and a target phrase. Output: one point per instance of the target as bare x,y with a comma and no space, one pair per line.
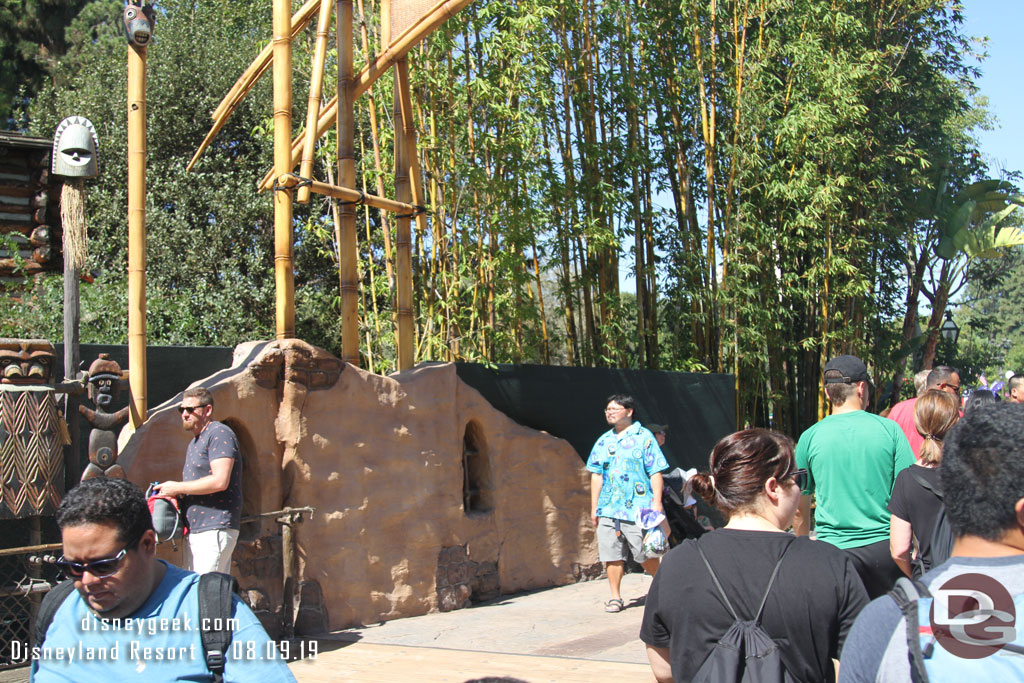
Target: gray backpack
168,520
746,653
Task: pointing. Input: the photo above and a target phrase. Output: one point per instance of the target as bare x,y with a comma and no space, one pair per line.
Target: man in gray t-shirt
211,486
982,477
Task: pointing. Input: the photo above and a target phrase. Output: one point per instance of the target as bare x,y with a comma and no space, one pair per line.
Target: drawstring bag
168,521
655,543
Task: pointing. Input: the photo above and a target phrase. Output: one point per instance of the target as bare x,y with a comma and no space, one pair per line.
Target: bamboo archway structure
404,23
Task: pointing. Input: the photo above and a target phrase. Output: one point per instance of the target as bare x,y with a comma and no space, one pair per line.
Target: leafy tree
209,250
32,37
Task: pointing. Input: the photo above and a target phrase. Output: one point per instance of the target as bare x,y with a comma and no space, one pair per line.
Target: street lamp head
950,331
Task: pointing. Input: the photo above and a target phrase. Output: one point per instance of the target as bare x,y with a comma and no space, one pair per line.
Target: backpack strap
771,581
52,601
216,592
718,585
925,483
906,593
721,591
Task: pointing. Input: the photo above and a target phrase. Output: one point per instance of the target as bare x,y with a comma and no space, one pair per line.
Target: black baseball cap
852,370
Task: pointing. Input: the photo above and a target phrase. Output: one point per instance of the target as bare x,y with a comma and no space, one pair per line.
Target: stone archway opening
477,483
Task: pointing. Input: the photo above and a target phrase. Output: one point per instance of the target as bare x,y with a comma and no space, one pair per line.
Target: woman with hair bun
816,594
914,504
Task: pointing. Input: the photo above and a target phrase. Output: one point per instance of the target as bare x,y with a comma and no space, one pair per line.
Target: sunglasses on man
191,410
101,569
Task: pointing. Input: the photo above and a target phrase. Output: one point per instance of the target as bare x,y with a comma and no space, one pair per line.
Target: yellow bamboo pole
412,156
284,275
137,233
323,26
263,60
348,194
348,245
248,79
403,240
371,72
385,22
377,165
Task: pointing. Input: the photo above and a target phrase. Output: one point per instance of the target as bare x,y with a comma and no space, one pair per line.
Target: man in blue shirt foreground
132,616
625,468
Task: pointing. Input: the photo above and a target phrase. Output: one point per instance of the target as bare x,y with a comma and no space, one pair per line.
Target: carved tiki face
138,23
74,148
27,361
104,376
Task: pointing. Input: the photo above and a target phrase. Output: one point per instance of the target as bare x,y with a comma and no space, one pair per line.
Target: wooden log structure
25,212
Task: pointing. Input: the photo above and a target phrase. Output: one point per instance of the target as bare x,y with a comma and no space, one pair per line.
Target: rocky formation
426,497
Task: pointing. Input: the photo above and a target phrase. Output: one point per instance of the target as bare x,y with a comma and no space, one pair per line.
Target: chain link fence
26,574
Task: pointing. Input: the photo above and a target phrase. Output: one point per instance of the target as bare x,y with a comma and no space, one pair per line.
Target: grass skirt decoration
72,215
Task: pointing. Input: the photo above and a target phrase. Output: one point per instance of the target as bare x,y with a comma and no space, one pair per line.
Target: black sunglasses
189,409
800,477
101,569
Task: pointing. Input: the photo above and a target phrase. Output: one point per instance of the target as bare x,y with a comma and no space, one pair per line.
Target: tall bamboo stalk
284,276
316,83
403,242
137,380
377,68
248,79
348,247
385,219
412,156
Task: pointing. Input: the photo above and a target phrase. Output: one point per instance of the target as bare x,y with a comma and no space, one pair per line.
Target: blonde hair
935,413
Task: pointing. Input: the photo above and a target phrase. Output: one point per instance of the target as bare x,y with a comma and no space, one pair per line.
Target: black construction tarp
569,402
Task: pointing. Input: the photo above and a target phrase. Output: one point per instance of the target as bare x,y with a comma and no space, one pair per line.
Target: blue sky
997,20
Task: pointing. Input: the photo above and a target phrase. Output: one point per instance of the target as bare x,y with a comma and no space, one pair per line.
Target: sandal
613,605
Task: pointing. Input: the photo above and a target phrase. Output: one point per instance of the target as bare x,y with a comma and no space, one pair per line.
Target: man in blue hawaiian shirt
625,468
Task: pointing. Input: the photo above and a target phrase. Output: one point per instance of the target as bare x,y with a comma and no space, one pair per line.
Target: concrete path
558,634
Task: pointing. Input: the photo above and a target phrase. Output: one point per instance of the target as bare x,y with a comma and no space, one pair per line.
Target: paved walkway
556,635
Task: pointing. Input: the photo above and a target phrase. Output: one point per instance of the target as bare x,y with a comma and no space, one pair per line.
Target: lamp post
950,331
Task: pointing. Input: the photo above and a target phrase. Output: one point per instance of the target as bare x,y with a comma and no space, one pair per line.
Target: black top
913,503
815,599
221,510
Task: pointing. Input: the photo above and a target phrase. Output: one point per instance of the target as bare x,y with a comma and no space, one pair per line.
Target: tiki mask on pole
139,20
74,148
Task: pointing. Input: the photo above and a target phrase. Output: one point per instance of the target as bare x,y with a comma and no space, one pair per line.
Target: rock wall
426,497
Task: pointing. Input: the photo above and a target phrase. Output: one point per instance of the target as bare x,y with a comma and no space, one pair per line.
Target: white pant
210,551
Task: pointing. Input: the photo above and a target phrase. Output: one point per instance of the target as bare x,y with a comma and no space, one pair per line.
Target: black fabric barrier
170,369
569,402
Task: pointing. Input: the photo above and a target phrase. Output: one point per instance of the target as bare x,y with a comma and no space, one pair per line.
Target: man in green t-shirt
853,457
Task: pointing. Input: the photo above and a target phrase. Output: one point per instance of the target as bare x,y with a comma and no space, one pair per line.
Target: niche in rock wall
477,484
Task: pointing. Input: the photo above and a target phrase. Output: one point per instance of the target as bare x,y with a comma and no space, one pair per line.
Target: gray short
612,546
